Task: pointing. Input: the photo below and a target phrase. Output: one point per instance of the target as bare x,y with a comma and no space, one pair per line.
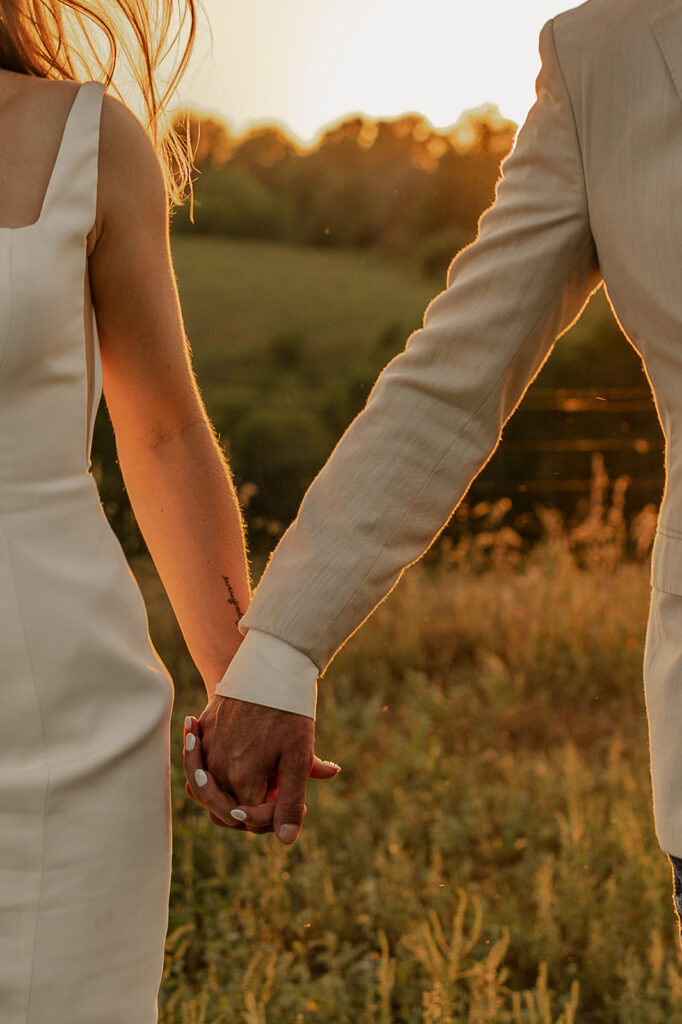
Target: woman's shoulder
130,179
123,134
128,158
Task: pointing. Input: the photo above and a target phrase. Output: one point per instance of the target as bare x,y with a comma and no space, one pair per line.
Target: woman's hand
240,750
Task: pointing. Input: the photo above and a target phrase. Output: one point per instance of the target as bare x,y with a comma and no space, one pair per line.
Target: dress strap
71,196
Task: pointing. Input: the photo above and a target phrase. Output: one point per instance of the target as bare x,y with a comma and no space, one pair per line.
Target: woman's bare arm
176,475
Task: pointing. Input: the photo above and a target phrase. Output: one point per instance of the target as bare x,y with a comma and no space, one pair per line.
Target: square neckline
38,222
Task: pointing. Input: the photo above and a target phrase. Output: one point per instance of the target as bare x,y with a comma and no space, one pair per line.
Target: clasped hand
253,759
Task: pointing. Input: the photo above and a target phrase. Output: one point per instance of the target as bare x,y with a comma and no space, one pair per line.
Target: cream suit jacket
590,195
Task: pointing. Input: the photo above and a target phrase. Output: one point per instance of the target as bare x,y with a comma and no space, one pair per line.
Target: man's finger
248,785
272,789
294,771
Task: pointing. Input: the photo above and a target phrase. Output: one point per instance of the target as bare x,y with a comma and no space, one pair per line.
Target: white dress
85,812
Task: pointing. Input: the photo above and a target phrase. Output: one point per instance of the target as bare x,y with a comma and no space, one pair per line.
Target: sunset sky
304,64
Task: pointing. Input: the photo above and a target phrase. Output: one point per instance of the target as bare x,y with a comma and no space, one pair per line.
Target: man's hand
254,759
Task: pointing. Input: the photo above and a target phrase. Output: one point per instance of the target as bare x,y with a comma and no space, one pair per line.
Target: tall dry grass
487,853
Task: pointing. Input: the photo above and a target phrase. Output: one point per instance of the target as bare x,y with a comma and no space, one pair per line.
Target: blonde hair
57,39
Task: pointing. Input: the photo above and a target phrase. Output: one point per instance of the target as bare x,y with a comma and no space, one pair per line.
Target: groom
591,194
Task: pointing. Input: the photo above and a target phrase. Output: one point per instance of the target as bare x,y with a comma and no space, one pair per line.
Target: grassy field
287,342
487,853
238,296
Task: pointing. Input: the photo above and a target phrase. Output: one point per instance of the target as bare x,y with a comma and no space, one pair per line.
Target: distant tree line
395,185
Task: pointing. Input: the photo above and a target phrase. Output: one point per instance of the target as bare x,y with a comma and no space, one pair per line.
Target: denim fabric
677,888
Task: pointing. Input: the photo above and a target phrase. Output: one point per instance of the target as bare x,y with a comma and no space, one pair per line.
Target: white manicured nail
201,777
239,815
190,741
188,722
332,764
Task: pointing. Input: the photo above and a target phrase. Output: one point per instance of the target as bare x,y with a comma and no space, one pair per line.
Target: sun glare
304,65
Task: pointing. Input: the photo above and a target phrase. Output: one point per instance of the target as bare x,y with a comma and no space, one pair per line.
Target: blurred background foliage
304,273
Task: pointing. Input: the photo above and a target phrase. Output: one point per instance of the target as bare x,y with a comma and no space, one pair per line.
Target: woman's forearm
183,498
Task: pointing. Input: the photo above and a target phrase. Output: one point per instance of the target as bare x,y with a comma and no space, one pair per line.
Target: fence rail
637,453
611,400
641,445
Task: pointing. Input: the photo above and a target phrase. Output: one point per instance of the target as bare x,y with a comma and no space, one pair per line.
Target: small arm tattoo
232,599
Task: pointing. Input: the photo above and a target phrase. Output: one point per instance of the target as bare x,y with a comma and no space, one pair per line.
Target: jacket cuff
266,670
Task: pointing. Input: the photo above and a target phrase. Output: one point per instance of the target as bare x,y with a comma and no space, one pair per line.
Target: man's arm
436,412
432,421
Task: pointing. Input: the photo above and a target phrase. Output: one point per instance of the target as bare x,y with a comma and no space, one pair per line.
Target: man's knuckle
239,777
301,761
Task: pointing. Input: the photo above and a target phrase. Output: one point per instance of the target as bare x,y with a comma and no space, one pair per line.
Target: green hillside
238,296
287,341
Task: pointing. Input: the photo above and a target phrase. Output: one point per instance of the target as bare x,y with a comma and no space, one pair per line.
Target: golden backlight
304,64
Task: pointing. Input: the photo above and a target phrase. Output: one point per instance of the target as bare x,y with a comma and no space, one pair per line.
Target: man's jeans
677,888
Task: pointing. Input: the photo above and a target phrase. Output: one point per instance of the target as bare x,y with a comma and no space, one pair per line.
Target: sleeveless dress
85,811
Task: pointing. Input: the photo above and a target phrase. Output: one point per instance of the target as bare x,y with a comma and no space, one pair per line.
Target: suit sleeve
436,412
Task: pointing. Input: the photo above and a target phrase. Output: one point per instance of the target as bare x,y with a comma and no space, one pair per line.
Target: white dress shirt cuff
267,670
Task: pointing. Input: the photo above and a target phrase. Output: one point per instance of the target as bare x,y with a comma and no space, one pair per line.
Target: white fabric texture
591,195
85,811
266,670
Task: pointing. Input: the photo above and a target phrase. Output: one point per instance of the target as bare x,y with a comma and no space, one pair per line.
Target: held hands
255,761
